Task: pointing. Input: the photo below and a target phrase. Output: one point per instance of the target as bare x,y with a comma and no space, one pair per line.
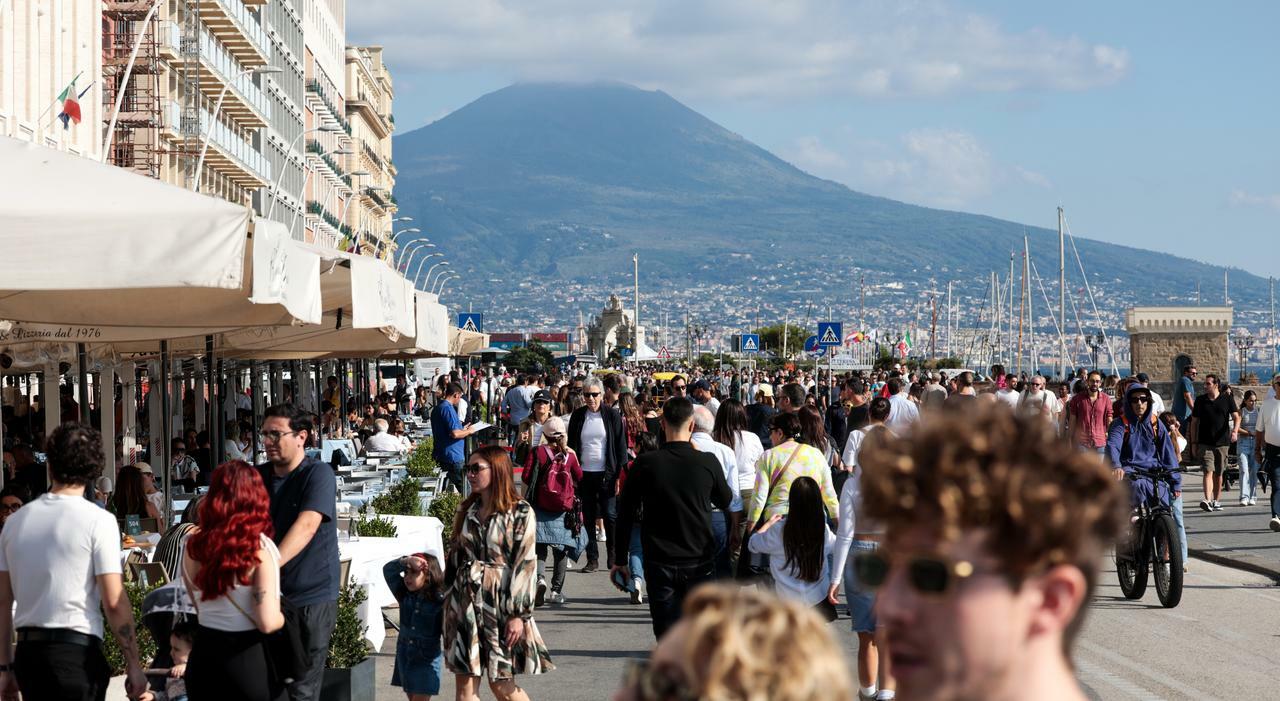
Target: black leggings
230,665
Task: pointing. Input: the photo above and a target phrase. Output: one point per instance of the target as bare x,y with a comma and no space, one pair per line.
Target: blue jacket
1141,441
421,616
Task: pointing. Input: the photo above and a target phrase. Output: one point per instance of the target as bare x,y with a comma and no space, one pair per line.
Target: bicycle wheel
1166,560
1131,567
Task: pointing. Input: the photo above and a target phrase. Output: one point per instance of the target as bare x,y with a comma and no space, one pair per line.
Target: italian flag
70,105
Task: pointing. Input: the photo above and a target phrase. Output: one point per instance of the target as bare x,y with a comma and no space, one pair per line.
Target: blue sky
1153,124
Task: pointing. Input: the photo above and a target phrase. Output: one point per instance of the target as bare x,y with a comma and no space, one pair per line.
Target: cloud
1240,198
940,167
759,49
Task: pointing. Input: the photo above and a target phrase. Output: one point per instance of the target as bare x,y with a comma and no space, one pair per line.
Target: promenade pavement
1238,536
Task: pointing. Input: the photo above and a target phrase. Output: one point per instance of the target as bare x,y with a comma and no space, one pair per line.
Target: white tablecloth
417,534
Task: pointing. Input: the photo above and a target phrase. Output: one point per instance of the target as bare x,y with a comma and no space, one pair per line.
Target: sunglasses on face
1139,400
10,507
932,576
591,395
476,468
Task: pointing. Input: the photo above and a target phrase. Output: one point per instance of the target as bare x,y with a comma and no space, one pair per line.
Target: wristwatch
6,667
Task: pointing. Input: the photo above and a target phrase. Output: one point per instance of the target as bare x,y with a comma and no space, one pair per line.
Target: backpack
554,491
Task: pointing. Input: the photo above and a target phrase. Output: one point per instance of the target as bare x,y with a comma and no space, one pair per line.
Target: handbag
756,565
287,657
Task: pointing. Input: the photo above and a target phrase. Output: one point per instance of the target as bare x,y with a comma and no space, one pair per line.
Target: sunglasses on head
476,468
927,575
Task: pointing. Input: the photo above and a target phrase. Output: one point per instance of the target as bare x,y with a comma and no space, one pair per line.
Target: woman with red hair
232,572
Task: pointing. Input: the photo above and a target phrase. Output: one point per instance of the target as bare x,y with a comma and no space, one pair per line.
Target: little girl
800,549
417,582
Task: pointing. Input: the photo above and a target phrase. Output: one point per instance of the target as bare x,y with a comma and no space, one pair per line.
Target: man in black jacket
677,486
597,436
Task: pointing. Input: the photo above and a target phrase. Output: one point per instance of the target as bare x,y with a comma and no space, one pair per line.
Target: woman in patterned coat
488,615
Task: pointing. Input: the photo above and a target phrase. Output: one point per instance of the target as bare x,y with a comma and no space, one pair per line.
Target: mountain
565,181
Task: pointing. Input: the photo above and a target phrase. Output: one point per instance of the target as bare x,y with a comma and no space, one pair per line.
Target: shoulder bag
755,566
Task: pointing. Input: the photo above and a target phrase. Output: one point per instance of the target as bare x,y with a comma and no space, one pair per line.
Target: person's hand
178,670
831,594
735,541
135,684
413,563
1177,495
1117,473
515,631
769,524
8,686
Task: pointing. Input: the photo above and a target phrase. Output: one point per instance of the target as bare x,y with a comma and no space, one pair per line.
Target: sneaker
1244,502
1253,501
600,536
1205,506
1275,523
637,591
1217,505
556,597
541,597
591,567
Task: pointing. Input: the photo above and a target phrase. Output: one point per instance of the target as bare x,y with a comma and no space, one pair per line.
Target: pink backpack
554,491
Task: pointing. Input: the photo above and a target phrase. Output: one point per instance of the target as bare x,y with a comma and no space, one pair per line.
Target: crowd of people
962,520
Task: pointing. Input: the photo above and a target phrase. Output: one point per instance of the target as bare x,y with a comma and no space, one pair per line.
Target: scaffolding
189,80
136,142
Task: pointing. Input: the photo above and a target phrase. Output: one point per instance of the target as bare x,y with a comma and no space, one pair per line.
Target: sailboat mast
1031,319
1062,285
949,350
1275,343
1022,310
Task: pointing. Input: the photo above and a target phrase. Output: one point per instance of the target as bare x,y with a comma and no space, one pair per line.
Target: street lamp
217,107
444,279
407,253
307,178
1094,342
433,267
128,72
1243,344
275,189
418,272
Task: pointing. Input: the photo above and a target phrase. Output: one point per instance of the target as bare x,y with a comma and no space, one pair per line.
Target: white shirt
234,452
54,549
712,405
594,441
728,462
784,580
1268,421
1009,397
747,450
1157,403
382,442
220,613
902,413
851,523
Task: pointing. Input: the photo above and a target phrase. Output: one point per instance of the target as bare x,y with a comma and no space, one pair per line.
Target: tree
771,338
529,358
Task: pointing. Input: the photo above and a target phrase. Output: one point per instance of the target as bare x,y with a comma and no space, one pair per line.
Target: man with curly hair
994,531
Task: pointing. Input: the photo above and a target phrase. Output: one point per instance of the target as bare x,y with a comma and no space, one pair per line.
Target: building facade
1164,340
329,188
369,96
43,46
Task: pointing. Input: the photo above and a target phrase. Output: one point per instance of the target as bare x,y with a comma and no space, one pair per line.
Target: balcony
245,102
228,154
238,28
322,104
367,108
325,165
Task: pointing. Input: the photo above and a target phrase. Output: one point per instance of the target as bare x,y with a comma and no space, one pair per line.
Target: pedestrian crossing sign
471,321
750,343
830,333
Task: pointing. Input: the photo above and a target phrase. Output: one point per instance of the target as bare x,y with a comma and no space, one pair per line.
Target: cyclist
1137,439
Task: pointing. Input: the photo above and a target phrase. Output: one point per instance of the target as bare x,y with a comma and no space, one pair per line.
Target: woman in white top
234,444
232,573
799,549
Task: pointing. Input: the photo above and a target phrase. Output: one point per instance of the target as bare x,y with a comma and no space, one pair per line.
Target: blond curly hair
746,645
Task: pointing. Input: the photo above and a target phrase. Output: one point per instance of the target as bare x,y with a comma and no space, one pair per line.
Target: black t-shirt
859,417
311,577
758,418
1214,428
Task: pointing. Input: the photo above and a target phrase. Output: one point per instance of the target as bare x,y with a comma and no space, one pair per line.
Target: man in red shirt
1089,415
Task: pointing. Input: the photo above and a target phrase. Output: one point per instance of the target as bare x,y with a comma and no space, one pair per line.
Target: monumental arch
1164,340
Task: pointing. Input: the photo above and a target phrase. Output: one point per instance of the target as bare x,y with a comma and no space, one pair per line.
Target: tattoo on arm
259,596
128,643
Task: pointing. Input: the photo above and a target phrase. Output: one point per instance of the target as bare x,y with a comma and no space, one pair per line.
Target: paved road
1237,534
1220,643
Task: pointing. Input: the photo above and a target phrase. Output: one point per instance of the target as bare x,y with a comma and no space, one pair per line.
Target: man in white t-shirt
60,564
903,413
382,441
724,524
1008,394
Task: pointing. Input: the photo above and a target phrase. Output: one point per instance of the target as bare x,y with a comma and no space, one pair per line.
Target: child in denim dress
417,582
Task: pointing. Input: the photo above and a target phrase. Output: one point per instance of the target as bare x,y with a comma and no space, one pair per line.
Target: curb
1246,563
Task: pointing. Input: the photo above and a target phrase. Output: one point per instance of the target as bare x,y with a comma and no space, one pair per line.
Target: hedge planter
350,684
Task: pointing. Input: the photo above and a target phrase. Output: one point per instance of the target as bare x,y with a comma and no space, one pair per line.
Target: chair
133,558
149,574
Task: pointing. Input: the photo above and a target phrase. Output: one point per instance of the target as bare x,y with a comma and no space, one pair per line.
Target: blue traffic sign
820,351
811,344
830,333
471,321
750,343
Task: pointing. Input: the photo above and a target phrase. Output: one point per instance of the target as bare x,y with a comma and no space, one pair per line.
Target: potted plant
349,671
443,507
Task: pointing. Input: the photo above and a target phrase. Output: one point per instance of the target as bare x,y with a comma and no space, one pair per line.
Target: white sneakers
1275,523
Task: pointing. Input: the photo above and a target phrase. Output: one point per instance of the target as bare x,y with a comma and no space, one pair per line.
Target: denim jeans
720,531
1248,468
1182,528
453,475
1271,458
668,586
635,559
